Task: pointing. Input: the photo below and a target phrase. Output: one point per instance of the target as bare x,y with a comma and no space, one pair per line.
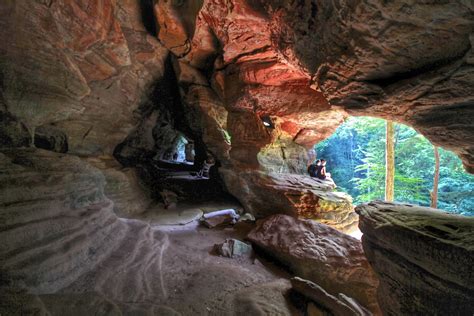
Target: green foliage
356,160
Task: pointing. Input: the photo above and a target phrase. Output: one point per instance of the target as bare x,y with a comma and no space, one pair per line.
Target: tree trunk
434,193
389,162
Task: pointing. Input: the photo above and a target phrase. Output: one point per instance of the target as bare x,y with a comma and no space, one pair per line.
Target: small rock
247,217
232,248
170,199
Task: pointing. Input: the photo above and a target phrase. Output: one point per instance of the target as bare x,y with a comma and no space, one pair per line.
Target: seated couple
318,170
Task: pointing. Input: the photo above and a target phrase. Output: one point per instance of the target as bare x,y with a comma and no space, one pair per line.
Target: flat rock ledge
423,257
319,253
264,194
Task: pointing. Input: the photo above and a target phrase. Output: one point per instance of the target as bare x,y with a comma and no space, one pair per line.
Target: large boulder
320,254
300,196
422,256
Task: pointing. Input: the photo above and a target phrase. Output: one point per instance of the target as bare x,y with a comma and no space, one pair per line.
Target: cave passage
356,160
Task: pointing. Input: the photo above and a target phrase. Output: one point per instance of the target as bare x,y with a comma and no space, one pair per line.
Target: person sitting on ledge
321,171
208,163
313,168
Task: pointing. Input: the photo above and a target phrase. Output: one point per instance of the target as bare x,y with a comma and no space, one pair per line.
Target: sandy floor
169,268
197,282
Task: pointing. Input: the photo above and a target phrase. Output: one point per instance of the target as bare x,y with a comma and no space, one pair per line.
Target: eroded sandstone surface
423,258
319,253
65,252
59,229
130,77
299,196
308,64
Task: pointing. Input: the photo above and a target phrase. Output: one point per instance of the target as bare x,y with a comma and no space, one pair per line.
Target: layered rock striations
60,235
97,76
83,67
255,84
79,77
423,258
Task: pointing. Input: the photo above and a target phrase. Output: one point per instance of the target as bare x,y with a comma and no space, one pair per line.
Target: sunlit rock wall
307,64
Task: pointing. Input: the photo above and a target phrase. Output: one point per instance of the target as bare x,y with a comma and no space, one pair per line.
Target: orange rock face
83,65
231,43
310,63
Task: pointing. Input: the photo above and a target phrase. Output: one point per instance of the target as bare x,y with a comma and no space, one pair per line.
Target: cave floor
198,282
183,276
201,283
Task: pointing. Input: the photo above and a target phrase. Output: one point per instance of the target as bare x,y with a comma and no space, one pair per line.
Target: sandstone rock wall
319,253
60,235
265,193
79,77
84,67
422,256
307,64
93,72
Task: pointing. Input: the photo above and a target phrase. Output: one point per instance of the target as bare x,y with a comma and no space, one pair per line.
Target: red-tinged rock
363,68
177,23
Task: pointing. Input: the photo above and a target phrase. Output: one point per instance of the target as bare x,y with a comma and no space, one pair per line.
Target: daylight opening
355,156
181,152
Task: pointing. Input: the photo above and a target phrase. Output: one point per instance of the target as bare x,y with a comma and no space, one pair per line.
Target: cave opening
180,152
355,156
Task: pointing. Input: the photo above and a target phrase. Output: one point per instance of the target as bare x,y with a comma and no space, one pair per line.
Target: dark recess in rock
163,118
163,121
13,133
148,18
51,138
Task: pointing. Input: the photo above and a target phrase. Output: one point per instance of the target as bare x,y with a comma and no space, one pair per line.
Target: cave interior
111,111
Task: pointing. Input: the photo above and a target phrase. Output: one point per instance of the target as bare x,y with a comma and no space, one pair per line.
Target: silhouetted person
321,171
313,168
189,152
208,163
175,156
